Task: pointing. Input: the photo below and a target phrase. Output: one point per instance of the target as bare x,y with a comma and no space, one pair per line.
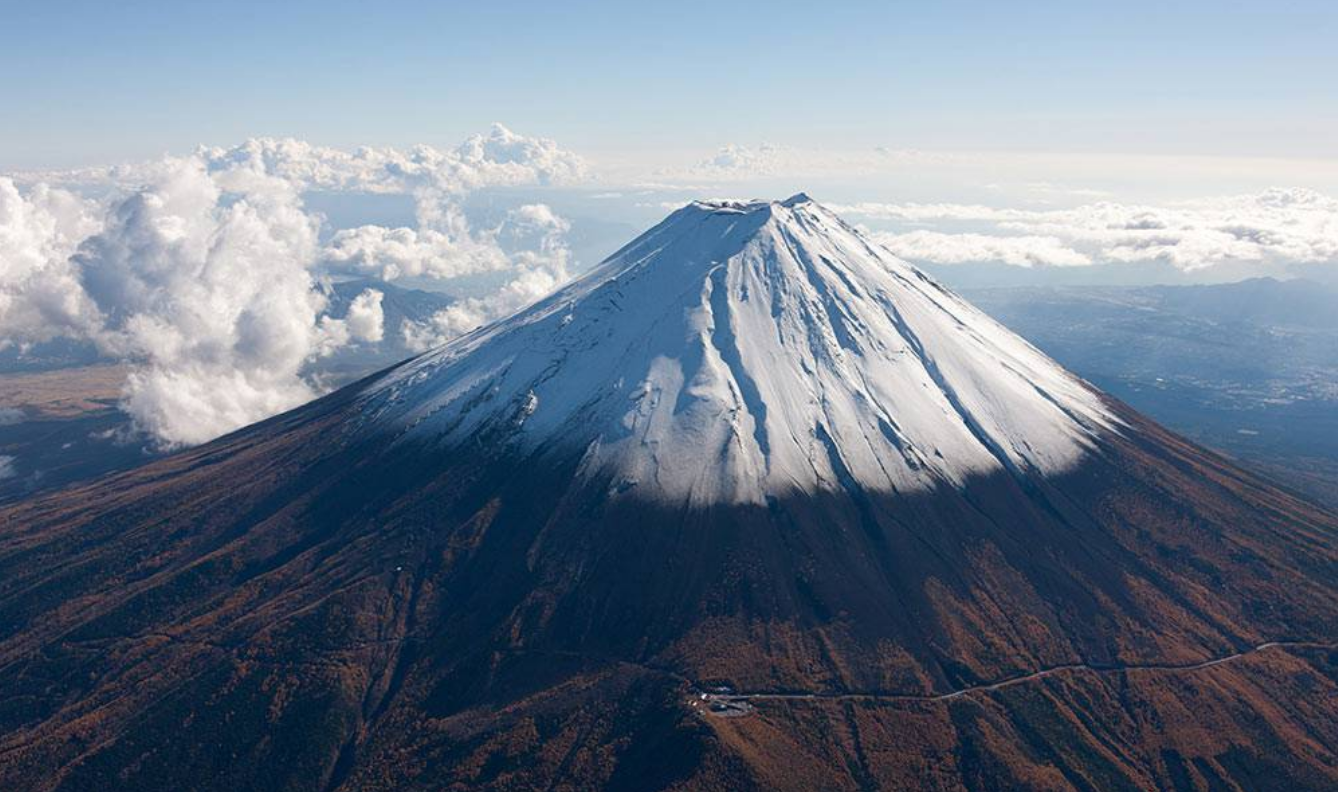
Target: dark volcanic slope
304,605
259,613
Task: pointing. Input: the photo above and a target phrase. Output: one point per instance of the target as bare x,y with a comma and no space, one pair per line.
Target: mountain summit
751,505
739,351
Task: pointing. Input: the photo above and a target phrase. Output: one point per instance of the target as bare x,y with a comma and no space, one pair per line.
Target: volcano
751,505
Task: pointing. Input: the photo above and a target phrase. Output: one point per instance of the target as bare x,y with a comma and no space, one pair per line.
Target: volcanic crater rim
740,206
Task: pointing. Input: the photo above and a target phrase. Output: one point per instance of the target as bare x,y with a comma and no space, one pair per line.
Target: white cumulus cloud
1276,226
205,272
539,268
204,282
1020,251
40,295
450,249
366,319
498,158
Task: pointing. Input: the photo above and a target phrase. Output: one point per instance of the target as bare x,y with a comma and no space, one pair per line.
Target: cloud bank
206,271
1019,251
204,281
1274,226
736,162
540,266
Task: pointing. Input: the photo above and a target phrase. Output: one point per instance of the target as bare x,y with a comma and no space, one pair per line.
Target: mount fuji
740,351
751,505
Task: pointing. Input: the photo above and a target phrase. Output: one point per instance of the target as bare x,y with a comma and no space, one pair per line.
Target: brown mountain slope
751,450
267,613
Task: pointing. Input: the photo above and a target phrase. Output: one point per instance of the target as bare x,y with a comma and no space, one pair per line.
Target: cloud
448,251
10,416
1275,226
363,322
695,172
40,296
736,162
1048,189
366,320
498,158
204,272
203,280
540,267
1020,251
530,244
7,467
920,212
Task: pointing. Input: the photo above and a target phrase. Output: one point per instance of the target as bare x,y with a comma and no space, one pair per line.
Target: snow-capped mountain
750,451
745,350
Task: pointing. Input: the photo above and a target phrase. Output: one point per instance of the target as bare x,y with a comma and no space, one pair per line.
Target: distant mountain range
1250,368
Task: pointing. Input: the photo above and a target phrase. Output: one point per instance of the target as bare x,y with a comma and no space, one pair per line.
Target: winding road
734,704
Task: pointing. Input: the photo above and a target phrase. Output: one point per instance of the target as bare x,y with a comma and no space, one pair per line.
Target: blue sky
94,82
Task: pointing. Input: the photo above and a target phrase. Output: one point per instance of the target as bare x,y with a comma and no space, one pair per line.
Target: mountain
751,505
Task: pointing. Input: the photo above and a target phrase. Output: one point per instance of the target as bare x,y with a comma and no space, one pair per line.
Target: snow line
735,703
